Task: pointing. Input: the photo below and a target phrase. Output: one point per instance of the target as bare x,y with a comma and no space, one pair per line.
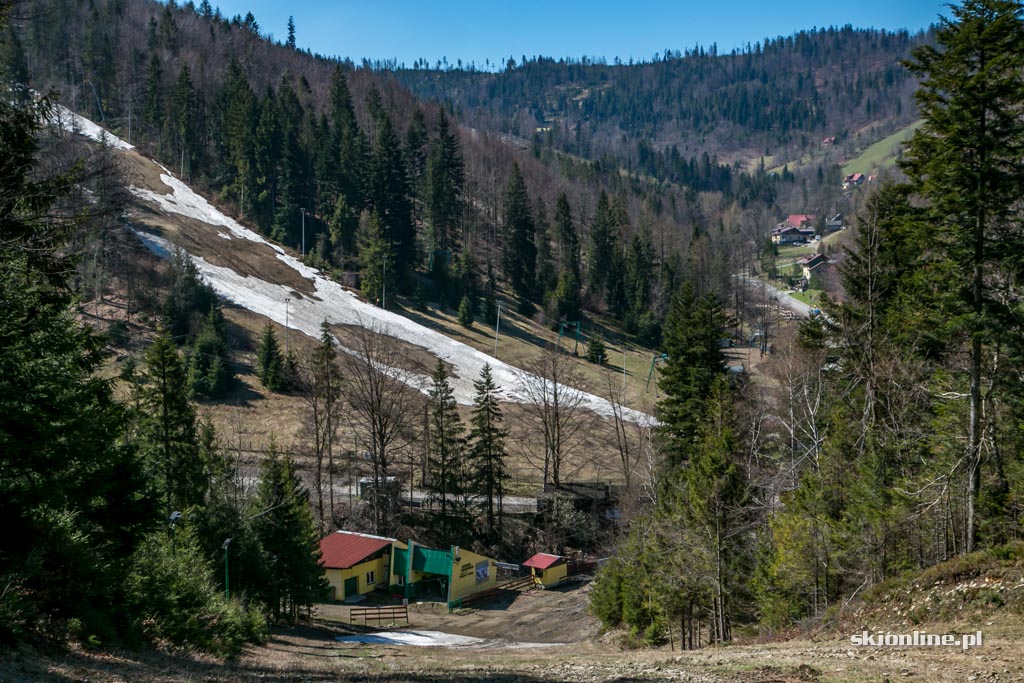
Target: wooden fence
518,584
378,615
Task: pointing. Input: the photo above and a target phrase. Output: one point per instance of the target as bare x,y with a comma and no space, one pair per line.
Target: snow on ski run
331,301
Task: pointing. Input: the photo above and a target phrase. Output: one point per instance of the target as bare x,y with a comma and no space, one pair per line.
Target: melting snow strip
432,639
331,302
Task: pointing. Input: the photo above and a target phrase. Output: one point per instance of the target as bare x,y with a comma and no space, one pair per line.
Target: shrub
172,595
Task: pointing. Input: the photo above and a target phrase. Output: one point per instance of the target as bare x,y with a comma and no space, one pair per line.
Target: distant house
830,140
355,564
812,264
786,234
547,570
853,180
834,224
800,220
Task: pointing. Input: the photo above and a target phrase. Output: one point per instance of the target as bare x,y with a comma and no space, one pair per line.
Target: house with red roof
548,570
356,564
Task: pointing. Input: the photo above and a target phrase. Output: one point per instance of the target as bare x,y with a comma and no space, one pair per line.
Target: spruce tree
284,524
520,251
290,41
209,366
167,437
444,183
269,361
567,238
377,271
596,352
964,161
602,246
545,274
389,193
466,312
693,360
446,454
488,470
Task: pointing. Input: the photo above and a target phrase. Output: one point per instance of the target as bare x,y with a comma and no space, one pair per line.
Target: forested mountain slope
785,93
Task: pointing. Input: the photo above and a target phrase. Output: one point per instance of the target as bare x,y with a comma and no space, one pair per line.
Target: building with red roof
354,563
547,569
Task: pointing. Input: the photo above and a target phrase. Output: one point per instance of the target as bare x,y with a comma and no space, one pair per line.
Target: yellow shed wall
551,576
463,581
336,577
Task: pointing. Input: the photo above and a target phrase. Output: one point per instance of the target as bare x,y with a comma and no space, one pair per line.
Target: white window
369,578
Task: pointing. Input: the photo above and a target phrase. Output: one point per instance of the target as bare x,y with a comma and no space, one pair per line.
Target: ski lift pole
561,330
654,361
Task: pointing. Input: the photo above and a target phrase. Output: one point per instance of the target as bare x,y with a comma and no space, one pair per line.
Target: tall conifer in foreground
488,470
964,161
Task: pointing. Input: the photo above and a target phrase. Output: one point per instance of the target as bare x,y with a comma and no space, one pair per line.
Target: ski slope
331,302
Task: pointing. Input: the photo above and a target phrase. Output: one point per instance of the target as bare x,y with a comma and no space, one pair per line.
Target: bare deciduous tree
550,386
379,386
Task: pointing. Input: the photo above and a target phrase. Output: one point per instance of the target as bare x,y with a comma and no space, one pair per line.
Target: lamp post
227,589
384,282
172,519
304,212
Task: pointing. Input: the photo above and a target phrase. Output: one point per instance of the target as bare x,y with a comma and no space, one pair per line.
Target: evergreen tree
490,297
602,245
390,195
520,251
284,524
466,312
447,450
290,41
72,492
185,121
167,437
209,368
567,238
377,272
694,359
488,470
348,150
596,352
414,149
444,183
566,300
269,361
964,162
545,274
153,97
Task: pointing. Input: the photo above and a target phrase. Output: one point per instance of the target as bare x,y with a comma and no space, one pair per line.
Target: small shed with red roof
355,563
548,570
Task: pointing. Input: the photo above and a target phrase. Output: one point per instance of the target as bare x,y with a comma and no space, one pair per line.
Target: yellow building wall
336,577
550,576
464,575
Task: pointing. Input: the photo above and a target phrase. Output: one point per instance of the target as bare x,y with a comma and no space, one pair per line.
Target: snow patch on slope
65,119
331,301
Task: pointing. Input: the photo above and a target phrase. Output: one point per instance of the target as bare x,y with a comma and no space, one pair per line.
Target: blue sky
476,31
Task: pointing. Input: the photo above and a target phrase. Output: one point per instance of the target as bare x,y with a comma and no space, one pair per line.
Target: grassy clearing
811,297
882,154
